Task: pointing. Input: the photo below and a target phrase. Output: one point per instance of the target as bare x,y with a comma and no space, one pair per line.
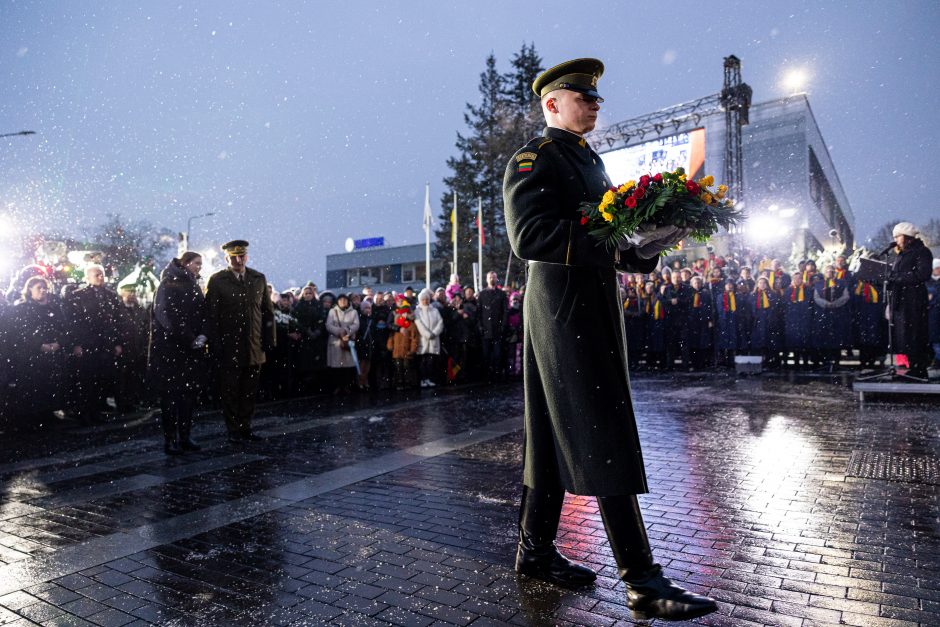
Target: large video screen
686,150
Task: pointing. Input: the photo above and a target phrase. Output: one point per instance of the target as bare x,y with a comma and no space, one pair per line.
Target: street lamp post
189,226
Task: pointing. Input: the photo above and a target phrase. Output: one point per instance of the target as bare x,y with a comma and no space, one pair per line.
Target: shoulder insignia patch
525,166
547,141
526,156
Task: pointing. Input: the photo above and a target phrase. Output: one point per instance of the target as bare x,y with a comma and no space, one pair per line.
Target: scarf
729,302
868,291
658,313
696,300
796,294
840,273
763,302
831,283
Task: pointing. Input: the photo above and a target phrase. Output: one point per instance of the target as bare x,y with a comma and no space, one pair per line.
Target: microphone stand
891,372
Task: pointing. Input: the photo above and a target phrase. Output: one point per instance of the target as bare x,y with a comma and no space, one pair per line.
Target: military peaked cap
235,248
579,75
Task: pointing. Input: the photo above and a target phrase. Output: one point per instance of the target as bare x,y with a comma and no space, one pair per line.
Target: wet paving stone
785,500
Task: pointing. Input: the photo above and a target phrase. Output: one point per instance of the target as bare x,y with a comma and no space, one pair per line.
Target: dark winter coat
933,310
39,375
580,430
870,323
827,318
797,318
765,332
179,317
95,324
493,304
698,330
656,329
727,321
311,322
240,319
908,279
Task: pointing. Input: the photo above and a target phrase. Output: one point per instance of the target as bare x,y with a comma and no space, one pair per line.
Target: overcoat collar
566,137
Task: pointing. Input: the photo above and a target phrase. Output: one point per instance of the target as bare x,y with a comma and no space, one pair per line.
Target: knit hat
936,264
904,228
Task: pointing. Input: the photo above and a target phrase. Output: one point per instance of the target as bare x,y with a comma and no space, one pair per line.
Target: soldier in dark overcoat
95,322
907,282
177,349
580,430
493,304
240,328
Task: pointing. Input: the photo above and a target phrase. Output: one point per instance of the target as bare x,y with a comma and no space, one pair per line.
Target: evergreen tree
496,127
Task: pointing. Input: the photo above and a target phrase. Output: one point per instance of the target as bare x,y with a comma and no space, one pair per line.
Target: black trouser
493,358
239,385
94,379
426,366
176,414
540,513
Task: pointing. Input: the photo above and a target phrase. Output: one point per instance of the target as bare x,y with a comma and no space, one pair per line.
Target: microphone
887,250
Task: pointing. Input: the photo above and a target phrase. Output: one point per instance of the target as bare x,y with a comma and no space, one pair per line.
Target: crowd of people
704,315
68,349
83,349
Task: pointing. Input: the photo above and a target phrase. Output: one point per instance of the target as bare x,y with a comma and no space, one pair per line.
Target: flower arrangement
666,198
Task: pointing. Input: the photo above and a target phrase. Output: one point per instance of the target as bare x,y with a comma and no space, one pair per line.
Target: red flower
658,178
584,220
640,193
693,188
645,180
630,202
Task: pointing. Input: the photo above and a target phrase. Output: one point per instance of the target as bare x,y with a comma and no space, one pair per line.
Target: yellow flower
722,190
608,199
729,203
607,216
706,198
707,181
626,187
682,177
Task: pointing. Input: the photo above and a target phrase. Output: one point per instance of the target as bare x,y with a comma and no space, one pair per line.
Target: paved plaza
787,501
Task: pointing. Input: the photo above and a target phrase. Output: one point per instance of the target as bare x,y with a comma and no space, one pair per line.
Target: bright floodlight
794,80
6,227
765,228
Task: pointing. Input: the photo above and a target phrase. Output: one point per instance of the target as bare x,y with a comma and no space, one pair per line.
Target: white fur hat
936,264
904,228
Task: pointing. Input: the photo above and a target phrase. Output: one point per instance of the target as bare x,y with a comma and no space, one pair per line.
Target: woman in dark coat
656,325
907,282
37,342
177,349
307,311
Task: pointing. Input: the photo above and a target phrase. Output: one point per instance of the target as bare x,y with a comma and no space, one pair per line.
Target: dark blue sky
302,124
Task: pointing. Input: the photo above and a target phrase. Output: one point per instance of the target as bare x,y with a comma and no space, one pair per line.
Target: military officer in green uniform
240,330
580,430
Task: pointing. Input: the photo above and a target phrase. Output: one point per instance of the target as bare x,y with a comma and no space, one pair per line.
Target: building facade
386,268
792,193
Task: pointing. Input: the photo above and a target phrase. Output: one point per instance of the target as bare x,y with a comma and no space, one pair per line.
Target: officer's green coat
240,318
580,427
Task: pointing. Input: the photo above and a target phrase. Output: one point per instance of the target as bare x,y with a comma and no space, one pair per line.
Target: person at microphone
908,306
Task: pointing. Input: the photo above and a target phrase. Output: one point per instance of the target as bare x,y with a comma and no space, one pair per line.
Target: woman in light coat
342,322
430,327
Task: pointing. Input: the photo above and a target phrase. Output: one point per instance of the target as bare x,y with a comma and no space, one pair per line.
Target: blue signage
370,242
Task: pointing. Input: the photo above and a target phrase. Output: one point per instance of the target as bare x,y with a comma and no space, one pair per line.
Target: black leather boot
537,556
649,593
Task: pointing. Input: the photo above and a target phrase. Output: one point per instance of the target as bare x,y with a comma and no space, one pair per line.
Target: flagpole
427,234
480,240
453,219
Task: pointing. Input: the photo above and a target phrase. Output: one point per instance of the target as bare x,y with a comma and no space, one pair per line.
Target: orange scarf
840,273
696,301
658,313
831,283
796,294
